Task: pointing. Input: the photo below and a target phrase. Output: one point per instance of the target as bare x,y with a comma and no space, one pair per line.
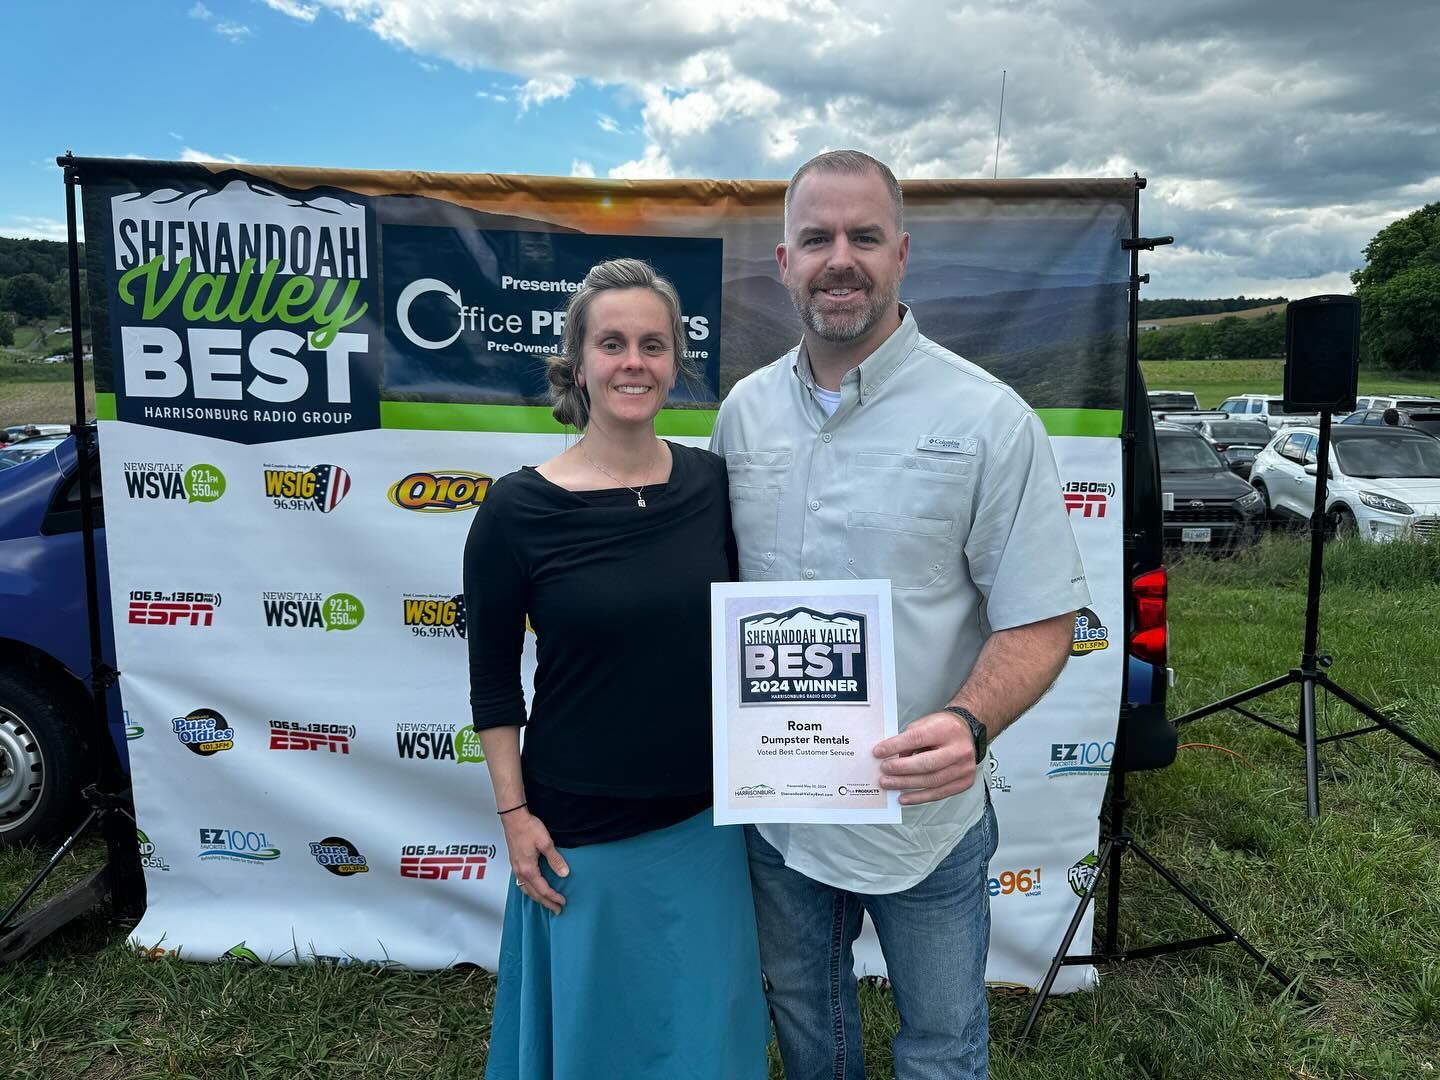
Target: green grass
1351,904
1215,380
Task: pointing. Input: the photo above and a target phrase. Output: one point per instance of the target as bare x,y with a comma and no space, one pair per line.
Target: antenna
998,122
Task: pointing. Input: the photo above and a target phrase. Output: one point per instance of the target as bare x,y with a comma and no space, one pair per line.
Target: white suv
1396,401
1384,482
1267,407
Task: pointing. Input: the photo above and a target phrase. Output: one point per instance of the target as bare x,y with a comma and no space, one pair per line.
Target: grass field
1215,380
1351,904
1188,320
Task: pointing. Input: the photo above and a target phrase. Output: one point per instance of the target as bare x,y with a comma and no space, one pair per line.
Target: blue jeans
935,936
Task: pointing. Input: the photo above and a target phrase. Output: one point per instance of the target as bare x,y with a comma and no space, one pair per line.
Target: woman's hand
528,840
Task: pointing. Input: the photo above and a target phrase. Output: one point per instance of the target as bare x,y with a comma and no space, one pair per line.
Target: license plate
1195,536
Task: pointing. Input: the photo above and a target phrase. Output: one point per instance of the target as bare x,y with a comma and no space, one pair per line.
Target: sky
1277,137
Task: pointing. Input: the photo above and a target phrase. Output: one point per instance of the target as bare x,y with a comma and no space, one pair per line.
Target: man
871,452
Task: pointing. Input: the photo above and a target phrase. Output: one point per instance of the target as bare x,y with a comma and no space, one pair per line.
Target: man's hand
930,760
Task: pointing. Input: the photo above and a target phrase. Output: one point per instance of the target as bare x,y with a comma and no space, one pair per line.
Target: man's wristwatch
977,730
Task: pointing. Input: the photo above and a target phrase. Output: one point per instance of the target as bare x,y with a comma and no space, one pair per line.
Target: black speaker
1322,353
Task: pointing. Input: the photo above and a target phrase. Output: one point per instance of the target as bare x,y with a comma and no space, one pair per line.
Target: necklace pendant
640,500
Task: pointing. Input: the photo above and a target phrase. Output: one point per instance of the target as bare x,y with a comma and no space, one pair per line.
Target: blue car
47,741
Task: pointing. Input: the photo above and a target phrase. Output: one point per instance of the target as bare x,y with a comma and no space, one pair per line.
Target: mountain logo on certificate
803,656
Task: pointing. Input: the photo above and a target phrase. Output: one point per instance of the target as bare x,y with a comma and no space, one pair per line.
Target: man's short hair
854,162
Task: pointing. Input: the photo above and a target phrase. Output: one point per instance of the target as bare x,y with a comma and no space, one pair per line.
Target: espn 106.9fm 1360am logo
311,736
441,491
434,615
446,862
166,480
318,489
1087,498
303,610
182,608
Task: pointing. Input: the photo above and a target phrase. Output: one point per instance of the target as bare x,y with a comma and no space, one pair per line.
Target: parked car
1173,401
1267,407
16,452
1384,481
1427,421
1236,441
1396,401
1208,507
47,747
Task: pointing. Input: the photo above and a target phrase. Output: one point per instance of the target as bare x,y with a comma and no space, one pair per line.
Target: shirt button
809,573
769,554
814,504
826,437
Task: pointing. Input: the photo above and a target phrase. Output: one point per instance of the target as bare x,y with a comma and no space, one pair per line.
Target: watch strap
978,731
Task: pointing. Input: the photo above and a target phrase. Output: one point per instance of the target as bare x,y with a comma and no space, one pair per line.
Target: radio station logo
803,656
437,741
132,731
166,480
241,954
148,608
1088,498
339,856
1024,882
429,862
433,615
319,488
1083,873
1080,758
312,610
204,732
441,492
236,845
148,858
1091,634
994,776
334,738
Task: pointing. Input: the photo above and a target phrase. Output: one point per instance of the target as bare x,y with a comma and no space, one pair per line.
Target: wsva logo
438,742
1082,758
311,611
163,480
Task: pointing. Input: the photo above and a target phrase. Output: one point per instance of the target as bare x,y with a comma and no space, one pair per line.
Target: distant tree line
34,281
1170,309
1230,338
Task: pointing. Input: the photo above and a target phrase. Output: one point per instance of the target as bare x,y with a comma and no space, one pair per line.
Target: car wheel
38,758
1268,516
1345,523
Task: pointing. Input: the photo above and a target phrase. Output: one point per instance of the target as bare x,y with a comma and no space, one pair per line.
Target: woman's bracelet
517,806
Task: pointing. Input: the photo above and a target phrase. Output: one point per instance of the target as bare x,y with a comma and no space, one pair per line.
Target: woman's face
628,359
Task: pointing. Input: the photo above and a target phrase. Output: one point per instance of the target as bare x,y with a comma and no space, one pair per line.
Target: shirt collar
875,368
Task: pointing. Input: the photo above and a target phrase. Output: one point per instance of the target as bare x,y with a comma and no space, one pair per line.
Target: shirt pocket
757,486
913,552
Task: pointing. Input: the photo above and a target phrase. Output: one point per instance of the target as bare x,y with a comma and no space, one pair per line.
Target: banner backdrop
308,380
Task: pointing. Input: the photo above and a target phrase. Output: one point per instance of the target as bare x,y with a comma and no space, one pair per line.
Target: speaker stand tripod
1308,675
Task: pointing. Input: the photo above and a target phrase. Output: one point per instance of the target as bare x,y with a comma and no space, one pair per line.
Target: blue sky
1278,138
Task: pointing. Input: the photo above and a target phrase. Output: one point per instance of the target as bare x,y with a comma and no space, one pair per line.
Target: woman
628,948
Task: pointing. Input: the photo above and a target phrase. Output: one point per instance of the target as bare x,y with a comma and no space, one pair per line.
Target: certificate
802,687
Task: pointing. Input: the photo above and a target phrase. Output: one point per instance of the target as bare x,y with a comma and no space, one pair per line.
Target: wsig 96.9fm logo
318,489
433,615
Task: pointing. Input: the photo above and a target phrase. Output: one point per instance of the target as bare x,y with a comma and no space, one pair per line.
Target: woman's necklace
640,491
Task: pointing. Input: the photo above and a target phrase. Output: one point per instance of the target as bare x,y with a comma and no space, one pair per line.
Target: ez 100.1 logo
236,845
429,862
312,610
166,480
1081,758
149,608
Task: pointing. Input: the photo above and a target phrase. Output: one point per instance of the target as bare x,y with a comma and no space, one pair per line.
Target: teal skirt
652,971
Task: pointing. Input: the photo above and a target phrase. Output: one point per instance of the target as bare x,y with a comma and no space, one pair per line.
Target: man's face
843,257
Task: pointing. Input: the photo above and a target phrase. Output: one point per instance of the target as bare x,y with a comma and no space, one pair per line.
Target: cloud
303,12
581,168
191,154
487,95
233,31
607,124
545,88
33,228
1277,137
201,12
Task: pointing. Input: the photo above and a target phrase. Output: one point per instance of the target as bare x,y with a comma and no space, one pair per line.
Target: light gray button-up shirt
933,474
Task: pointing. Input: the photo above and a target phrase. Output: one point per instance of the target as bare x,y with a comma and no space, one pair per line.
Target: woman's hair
570,400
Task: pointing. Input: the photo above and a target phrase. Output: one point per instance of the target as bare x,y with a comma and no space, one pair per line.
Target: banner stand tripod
120,883
1308,675
1116,839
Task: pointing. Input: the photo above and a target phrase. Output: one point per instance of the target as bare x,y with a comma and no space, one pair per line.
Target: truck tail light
1149,638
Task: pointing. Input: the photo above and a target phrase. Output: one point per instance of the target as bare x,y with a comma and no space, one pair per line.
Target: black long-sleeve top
618,736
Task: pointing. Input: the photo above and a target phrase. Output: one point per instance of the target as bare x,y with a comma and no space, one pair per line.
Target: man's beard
839,327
